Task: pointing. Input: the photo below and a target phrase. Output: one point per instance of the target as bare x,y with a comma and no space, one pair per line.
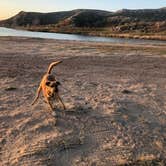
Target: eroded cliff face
148,20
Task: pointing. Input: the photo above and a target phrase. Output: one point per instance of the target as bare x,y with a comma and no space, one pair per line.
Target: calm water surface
46,35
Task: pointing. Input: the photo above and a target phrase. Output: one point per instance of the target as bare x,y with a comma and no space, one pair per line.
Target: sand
115,96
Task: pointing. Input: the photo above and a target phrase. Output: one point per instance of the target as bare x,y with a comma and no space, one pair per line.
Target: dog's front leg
60,100
37,95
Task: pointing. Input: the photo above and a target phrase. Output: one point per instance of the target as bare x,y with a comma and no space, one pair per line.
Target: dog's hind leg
49,103
37,94
60,100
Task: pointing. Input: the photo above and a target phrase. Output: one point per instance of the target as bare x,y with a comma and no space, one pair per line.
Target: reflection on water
60,36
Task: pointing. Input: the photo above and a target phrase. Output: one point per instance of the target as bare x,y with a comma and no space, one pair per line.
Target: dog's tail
52,65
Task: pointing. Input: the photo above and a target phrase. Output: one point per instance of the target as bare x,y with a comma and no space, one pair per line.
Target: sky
9,8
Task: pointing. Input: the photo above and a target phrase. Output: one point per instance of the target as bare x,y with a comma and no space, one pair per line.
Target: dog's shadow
76,110
71,118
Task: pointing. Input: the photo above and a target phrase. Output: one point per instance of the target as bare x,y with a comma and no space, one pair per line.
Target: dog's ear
58,83
48,83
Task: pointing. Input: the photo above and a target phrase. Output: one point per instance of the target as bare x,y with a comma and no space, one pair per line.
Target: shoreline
97,33
94,33
91,43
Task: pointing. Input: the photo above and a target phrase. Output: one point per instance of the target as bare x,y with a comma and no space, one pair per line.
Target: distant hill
93,22
33,18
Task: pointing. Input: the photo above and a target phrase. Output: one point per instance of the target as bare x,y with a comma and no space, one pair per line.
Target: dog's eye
47,83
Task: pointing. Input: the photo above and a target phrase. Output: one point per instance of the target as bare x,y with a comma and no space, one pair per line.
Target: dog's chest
51,94
48,92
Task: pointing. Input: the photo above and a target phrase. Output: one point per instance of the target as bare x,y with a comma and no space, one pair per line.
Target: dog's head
52,84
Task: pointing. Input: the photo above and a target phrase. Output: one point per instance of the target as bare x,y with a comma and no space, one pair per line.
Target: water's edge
60,36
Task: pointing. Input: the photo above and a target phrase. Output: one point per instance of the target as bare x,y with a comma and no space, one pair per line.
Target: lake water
59,36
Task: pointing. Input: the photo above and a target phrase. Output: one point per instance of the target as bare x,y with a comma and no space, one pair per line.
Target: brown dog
49,87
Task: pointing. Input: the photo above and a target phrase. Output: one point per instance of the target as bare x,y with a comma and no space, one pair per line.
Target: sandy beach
115,96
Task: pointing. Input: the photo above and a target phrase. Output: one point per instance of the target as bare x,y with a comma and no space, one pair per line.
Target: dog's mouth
51,94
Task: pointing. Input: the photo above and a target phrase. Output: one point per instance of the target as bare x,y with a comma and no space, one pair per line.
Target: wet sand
115,96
